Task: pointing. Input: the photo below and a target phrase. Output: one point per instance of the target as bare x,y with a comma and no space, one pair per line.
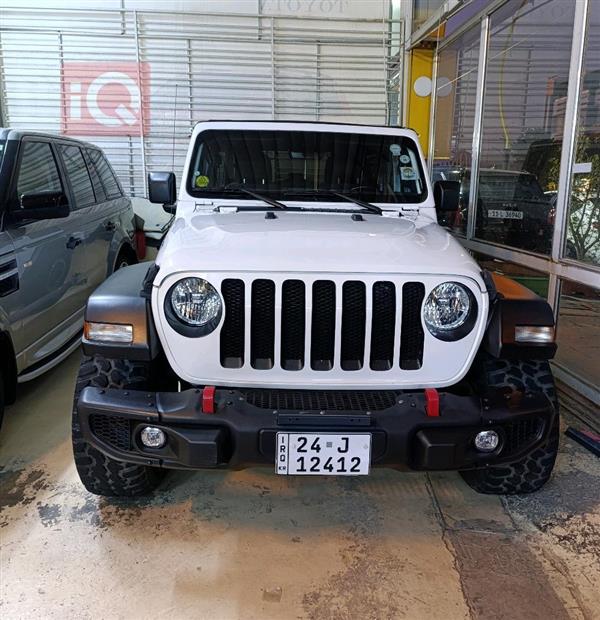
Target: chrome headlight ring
193,307
450,311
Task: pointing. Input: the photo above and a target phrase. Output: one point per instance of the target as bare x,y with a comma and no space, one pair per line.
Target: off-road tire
99,473
532,472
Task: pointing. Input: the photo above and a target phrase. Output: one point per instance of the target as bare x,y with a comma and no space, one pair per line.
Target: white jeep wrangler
307,311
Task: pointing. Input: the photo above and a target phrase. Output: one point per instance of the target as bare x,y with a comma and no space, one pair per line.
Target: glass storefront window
523,116
579,331
423,10
456,88
583,225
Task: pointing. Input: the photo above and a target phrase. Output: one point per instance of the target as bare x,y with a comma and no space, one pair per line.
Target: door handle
109,226
73,242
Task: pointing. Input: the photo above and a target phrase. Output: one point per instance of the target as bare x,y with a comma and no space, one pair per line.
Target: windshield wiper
243,190
315,192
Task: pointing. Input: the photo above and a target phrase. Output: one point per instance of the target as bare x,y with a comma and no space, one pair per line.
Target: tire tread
99,473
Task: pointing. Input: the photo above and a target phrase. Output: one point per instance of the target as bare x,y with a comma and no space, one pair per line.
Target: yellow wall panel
419,100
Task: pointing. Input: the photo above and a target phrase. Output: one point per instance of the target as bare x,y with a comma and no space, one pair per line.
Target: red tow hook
208,399
432,402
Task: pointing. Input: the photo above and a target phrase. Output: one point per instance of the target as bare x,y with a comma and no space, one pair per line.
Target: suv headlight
193,307
450,311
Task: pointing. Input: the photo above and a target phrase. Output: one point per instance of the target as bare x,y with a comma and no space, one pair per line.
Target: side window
105,173
37,171
78,174
98,187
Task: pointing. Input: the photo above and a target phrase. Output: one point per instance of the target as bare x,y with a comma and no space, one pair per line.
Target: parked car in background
512,208
65,224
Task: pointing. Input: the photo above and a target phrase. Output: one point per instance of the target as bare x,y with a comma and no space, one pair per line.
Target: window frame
15,201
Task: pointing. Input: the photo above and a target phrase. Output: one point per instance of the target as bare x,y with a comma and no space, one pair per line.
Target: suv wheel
124,259
99,473
532,472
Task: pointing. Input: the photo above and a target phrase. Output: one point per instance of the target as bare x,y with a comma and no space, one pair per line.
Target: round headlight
448,310
195,303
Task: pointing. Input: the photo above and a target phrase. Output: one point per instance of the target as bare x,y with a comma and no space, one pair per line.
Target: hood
311,242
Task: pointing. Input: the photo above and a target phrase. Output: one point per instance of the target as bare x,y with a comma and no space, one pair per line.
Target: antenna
174,122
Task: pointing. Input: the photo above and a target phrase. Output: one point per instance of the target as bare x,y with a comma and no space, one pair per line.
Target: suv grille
321,400
364,318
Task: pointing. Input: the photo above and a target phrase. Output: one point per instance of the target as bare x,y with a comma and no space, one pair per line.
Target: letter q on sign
104,98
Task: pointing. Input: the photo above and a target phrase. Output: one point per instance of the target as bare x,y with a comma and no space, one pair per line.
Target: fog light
153,437
487,441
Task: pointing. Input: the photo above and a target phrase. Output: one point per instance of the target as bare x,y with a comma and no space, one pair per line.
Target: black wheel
124,259
532,472
100,474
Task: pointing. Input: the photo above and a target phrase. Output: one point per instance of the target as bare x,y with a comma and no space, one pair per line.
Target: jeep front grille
364,317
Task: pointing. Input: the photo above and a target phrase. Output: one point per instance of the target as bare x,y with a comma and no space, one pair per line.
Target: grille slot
232,332
321,400
293,310
262,325
323,325
411,334
521,432
113,430
353,325
383,326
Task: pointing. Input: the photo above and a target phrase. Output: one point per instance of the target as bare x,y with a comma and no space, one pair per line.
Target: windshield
292,165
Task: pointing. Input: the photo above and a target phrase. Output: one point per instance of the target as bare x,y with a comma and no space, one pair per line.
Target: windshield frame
327,195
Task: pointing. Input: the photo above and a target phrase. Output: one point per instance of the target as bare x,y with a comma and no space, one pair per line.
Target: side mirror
162,189
45,205
446,195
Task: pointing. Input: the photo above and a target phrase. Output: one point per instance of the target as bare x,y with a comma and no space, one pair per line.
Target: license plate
505,215
323,454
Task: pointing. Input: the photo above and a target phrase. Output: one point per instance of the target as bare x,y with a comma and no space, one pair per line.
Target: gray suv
65,225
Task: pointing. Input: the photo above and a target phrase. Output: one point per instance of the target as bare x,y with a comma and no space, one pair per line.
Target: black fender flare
513,304
124,299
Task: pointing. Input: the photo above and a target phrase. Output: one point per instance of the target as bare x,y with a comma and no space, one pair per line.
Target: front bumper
242,431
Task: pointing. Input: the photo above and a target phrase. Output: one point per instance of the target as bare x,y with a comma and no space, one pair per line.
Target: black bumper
240,434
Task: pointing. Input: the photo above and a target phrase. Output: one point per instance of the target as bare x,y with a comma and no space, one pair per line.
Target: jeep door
42,308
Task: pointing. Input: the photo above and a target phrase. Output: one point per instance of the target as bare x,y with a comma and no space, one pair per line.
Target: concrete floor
249,544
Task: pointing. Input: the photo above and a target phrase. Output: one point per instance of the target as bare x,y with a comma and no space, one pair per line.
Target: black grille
112,430
232,332
293,309
521,432
383,326
262,325
321,400
260,321
323,325
411,332
353,325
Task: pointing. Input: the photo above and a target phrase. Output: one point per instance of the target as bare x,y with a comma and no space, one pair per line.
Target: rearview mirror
162,190
446,195
45,205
